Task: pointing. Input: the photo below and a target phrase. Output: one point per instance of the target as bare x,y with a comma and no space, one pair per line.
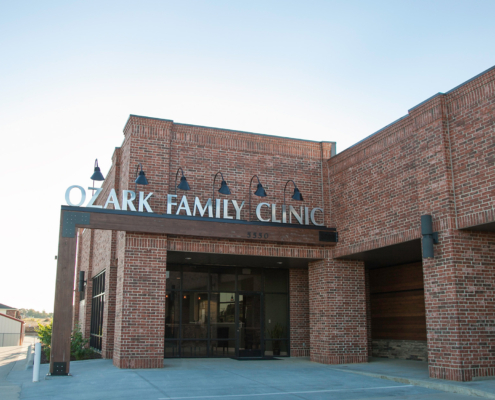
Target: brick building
151,296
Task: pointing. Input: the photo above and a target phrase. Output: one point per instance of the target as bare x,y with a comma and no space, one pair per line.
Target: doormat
256,359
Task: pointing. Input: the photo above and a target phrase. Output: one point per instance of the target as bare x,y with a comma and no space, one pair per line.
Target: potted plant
277,332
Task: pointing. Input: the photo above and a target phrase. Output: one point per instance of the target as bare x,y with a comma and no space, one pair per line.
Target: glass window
173,277
222,348
195,278
172,304
194,315
222,316
250,279
276,316
223,279
276,280
203,304
171,348
194,348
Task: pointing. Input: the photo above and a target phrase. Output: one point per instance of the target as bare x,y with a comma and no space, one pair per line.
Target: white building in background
11,328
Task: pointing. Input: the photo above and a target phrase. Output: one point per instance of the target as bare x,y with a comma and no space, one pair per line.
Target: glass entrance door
249,325
217,311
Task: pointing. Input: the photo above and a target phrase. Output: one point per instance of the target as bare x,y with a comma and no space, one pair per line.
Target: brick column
140,301
337,309
299,312
87,266
459,287
77,295
110,300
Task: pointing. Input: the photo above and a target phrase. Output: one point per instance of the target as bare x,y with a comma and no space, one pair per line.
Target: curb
445,387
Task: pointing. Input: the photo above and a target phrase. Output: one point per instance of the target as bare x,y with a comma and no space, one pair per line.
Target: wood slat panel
398,304
399,328
393,279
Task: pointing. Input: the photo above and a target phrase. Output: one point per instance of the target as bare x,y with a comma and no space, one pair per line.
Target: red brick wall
471,110
460,303
299,313
202,152
368,311
86,265
140,305
337,312
76,298
437,160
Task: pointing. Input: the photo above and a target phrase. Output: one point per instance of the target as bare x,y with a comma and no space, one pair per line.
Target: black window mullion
97,308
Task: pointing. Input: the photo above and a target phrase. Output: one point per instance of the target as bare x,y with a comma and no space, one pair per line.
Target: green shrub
45,334
79,347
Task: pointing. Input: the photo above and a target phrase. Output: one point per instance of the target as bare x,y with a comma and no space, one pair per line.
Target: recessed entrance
220,311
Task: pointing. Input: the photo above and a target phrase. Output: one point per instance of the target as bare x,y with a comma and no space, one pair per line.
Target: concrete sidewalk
13,358
224,379
416,373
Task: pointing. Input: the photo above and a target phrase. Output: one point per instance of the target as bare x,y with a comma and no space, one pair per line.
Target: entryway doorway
222,311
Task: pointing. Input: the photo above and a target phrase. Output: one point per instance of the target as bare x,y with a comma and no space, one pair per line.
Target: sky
71,72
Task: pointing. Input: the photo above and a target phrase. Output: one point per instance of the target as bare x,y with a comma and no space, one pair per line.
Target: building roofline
455,88
375,133
7,307
419,104
15,319
224,129
472,79
425,101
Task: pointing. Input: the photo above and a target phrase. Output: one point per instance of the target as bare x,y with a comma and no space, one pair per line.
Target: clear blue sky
72,71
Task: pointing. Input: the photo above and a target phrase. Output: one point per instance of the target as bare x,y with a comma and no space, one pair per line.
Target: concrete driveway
12,358
224,379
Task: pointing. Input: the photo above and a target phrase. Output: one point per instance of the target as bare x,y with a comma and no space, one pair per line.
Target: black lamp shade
260,192
297,195
97,175
141,179
183,185
224,189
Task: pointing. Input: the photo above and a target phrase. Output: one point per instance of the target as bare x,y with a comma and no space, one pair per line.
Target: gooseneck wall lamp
224,189
183,185
140,178
97,175
297,194
429,237
260,192
81,282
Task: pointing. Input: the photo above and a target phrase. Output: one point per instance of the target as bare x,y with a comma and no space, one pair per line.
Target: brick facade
299,313
438,159
337,312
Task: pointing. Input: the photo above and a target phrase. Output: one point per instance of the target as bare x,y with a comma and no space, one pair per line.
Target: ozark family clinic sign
222,209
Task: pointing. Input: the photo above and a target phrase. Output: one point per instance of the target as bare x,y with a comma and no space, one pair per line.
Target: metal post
37,361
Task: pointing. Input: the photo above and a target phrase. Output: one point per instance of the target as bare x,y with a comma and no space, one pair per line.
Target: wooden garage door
397,302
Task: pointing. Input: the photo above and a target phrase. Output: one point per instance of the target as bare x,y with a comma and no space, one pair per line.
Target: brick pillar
368,312
110,300
86,266
77,295
140,301
337,304
459,287
299,312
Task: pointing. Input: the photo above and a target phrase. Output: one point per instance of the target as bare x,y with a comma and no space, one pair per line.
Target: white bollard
37,361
